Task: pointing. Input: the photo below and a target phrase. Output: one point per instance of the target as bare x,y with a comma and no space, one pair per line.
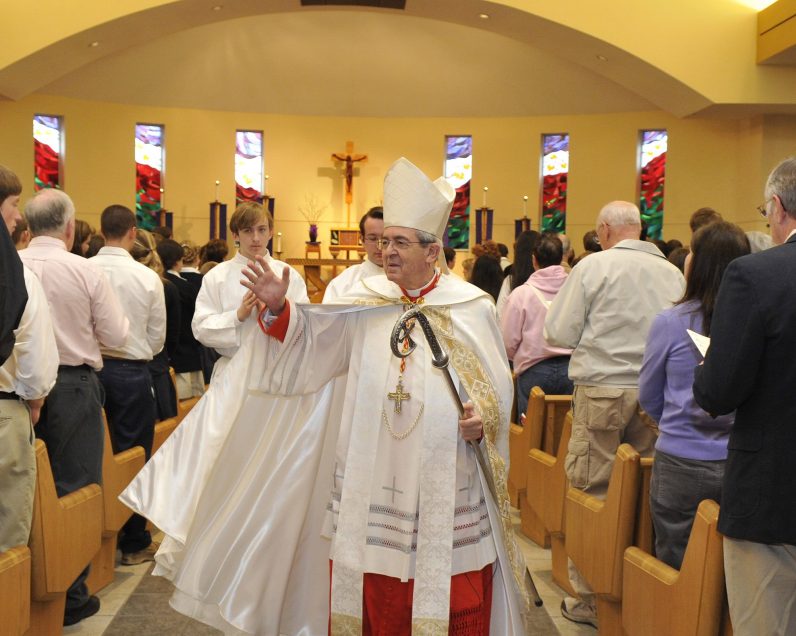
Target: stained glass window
249,166
555,169
149,165
48,144
459,172
652,160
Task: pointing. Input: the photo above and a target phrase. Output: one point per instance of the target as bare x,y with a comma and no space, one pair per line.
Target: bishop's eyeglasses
399,243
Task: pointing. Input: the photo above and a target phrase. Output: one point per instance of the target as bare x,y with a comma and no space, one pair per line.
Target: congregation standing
611,329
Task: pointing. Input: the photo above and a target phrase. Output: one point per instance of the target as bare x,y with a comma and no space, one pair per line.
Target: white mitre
412,200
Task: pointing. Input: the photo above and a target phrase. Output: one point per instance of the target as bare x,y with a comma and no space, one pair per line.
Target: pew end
545,491
521,440
598,532
118,471
545,422
15,590
657,599
65,534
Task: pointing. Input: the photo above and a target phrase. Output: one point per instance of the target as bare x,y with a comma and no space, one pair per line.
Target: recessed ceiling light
602,58
483,16
218,7
94,44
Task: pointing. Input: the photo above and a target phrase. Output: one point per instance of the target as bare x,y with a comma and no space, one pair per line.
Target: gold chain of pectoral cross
399,396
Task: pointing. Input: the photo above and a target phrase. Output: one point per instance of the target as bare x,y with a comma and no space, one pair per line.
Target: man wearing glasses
750,369
416,538
371,226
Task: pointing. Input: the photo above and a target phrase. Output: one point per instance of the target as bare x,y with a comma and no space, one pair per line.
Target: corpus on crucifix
350,159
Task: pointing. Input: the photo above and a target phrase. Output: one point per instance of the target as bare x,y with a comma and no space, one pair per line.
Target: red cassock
387,604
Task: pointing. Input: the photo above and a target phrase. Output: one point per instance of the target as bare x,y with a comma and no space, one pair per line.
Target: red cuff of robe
278,328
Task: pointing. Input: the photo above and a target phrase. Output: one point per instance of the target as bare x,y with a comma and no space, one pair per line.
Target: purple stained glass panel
459,171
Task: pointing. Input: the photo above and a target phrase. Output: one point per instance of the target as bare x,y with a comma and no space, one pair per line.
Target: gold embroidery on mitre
481,390
429,627
343,625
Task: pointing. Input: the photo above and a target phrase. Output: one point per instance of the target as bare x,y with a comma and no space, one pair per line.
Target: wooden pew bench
544,421
598,532
545,493
15,591
659,600
117,472
65,535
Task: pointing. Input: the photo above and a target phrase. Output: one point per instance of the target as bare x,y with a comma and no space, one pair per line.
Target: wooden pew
657,599
15,591
543,424
598,532
65,535
521,440
544,421
644,534
546,489
117,472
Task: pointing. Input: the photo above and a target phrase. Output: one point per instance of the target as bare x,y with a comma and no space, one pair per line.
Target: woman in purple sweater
692,447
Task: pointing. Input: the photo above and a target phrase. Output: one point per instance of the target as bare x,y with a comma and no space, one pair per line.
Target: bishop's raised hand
267,286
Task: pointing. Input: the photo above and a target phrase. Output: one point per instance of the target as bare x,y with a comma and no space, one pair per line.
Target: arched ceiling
435,58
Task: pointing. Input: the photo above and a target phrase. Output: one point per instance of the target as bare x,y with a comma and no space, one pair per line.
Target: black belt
4,395
75,366
125,360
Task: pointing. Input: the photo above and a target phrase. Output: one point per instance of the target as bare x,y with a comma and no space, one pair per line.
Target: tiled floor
137,604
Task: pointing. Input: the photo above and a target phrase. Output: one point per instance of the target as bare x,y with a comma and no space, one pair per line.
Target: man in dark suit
751,367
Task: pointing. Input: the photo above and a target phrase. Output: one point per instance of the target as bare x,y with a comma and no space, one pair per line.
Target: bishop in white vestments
379,479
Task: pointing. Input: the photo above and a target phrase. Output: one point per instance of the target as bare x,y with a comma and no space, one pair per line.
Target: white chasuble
246,552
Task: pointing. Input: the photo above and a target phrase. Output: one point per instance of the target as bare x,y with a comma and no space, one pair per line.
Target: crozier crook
439,359
401,333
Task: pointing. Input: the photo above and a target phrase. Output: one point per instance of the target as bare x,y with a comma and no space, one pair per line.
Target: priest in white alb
371,226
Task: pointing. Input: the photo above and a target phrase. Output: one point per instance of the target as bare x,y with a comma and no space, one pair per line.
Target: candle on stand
265,185
279,242
525,205
218,183
162,199
486,189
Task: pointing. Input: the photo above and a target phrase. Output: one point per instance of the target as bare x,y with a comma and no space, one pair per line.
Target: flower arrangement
311,209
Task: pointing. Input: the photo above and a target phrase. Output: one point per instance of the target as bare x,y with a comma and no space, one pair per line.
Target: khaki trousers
17,473
602,419
761,587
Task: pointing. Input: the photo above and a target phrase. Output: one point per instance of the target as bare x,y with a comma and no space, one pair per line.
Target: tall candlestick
279,242
265,184
525,205
162,199
486,189
218,183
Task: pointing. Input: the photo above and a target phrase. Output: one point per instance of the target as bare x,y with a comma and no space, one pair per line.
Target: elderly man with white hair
85,314
604,312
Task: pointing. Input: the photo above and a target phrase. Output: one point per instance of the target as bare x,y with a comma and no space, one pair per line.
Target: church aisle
136,603
539,561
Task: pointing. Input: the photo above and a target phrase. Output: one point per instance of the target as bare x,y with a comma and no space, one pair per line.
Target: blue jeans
130,408
550,375
678,486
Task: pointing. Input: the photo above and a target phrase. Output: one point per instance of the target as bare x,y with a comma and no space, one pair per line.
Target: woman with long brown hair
692,447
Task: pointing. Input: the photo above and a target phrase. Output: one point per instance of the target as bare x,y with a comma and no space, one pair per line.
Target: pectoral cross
398,395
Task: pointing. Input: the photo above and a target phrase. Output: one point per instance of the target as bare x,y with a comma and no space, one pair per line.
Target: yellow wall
721,163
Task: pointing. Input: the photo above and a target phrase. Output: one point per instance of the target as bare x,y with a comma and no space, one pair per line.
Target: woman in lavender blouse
692,447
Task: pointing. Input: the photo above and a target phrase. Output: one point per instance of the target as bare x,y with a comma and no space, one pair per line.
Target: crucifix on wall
349,158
